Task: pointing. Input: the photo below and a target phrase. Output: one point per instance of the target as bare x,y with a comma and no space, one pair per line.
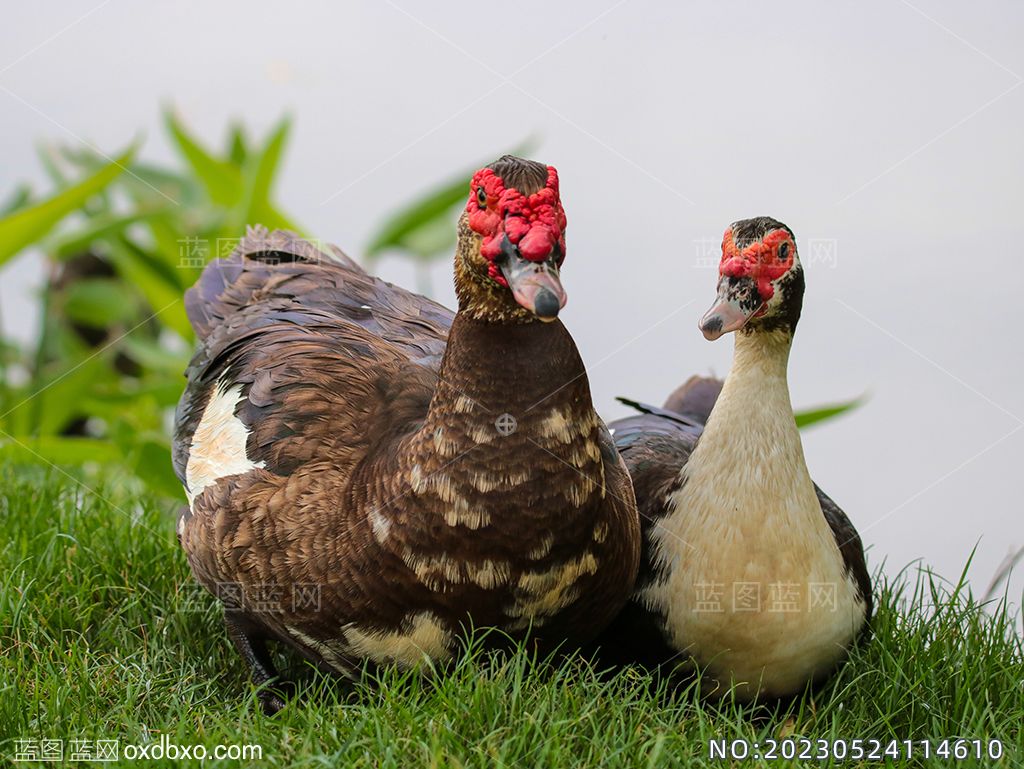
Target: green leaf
146,184
17,200
183,250
222,180
824,413
153,187
166,268
259,178
79,241
415,228
63,390
237,150
435,239
49,157
155,468
156,357
99,302
26,226
163,294
399,230
131,406
58,450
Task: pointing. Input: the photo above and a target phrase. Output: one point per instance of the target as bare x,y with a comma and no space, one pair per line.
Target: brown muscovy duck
368,473
749,571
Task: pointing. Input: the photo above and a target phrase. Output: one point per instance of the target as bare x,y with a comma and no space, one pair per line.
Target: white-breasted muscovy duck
368,474
749,571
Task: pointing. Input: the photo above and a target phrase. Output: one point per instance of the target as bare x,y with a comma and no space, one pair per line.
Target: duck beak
535,285
737,302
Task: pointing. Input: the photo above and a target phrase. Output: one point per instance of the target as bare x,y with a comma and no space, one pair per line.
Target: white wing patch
218,444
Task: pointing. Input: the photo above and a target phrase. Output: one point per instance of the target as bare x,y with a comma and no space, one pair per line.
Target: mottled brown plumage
377,469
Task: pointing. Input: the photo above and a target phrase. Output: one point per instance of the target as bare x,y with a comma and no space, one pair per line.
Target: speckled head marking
760,280
512,243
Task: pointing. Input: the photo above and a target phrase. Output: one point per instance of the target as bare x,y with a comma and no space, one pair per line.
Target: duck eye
783,252
481,197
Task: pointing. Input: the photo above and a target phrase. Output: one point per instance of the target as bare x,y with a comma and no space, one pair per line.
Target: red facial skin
534,223
759,261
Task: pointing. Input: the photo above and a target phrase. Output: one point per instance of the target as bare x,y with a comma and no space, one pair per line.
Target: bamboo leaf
259,178
79,241
147,274
63,391
151,187
222,180
26,226
99,302
49,158
17,200
147,184
398,229
237,148
156,357
813,416
434,239
413,227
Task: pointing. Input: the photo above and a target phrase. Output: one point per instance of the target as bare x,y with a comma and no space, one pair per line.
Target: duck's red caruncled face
533,224
764,261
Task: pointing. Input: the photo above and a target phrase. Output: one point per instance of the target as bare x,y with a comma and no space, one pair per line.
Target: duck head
760,280
512,243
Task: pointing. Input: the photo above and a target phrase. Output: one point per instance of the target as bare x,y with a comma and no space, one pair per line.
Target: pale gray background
890,131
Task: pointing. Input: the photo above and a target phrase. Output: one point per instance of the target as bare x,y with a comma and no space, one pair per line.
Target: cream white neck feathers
755,588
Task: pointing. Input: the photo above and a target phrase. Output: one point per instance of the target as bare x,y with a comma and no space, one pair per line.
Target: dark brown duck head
760,280
511,244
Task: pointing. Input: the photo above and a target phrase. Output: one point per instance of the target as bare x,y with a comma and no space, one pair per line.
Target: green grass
102,636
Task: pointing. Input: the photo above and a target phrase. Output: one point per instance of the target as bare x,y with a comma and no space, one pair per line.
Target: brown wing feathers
285,321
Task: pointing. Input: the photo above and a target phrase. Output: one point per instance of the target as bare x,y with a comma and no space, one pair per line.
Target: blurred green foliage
122,239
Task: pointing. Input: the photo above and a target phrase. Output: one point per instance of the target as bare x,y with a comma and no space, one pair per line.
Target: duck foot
275,691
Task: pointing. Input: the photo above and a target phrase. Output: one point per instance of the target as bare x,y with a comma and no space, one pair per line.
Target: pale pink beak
731,310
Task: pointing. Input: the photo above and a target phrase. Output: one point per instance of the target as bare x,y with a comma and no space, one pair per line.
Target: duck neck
508,368
758,377
511,426
751,443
